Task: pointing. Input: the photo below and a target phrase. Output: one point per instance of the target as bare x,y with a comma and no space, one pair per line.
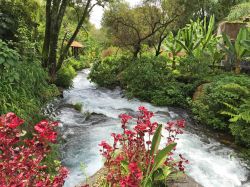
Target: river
211,163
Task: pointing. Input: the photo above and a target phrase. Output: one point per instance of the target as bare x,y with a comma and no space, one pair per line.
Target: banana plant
239,49
189,39
173,46
197,34
207,31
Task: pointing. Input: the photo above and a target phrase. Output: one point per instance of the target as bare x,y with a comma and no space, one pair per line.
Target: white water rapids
211,163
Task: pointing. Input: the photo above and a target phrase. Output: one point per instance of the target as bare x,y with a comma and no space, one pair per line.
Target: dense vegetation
194,69
26,85
166,52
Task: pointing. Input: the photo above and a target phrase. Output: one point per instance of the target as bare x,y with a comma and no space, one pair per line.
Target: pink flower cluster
21,159
127,159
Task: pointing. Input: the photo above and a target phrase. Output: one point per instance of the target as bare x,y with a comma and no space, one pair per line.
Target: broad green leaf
158,175
228,43
156,140
124,165
2,60
160,158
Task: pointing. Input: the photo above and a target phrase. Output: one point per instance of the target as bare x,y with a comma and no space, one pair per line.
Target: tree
131,27
171,9
55,11
16,14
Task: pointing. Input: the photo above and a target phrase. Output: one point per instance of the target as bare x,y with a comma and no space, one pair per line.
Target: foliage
65,76
147,78
144,76
238,50
55,12
131,27
227,88
78,64
22,158
23,87
197,35
173,46
240,120
13,14
239,11
105,72
135,158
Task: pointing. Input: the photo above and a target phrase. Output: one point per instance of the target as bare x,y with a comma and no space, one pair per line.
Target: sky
96,15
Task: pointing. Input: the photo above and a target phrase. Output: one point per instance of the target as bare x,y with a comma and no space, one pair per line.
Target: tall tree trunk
55,10
46,42
158,49
173,61
237,66
137,50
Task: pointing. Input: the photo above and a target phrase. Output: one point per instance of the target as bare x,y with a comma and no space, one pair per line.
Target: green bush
210,106
144,76
106,72
65,75
147,78
23,86
78,64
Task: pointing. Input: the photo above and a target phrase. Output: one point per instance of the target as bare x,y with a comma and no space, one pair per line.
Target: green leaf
124,165
2,60
228,42
166,171
160,158
162,173
158,175
156,140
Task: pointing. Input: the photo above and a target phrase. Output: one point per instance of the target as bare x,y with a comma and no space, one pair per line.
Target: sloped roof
76,44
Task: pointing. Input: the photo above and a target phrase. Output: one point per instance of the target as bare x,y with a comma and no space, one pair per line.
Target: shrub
65,75
147,78
143,76
106,72
134,158
171,94
240,120
22,158
24,87
230,89
78,64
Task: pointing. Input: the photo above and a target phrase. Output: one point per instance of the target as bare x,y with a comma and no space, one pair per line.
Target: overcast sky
97,12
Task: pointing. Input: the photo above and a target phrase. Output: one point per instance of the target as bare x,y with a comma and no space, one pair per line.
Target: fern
236,114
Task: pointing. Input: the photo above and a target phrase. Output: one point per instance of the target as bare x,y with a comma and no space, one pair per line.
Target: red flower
11,120
21,159
131,150
42,126
46,130
141,127
125,118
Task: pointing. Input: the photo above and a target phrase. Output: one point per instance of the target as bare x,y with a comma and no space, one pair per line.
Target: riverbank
83,131
184,181
222,137
218,100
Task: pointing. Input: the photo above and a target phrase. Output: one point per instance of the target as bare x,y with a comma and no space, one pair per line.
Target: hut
75,48
230,28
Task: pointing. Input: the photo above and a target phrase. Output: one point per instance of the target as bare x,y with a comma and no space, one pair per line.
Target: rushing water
211,163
